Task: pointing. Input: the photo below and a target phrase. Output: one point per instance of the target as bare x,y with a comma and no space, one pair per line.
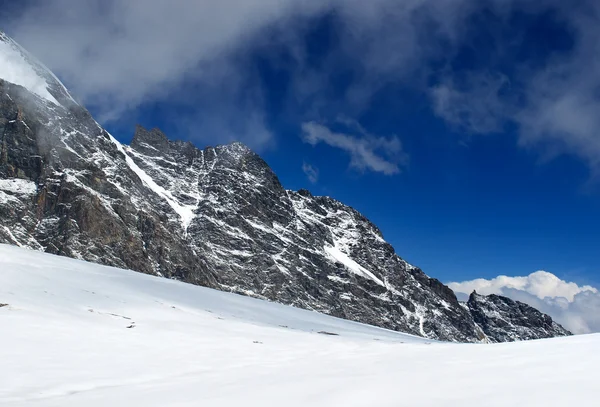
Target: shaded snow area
15,68
80,334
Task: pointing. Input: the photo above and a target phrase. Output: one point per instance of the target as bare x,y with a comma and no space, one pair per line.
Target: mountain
506,320
217,217
100,336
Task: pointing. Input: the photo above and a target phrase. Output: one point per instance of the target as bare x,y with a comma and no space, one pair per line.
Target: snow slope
80,334
19,67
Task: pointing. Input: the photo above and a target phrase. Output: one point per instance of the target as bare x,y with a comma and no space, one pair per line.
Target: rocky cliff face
505,320
217,217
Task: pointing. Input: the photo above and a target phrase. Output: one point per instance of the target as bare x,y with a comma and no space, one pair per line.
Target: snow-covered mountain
80,334
217,217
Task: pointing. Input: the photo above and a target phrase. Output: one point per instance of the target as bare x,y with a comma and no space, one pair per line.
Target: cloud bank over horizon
118,56
575,307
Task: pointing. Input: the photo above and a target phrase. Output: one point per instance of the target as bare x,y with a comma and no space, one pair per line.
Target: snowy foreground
78,334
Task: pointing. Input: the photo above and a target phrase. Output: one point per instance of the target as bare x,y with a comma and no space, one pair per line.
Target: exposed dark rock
505,320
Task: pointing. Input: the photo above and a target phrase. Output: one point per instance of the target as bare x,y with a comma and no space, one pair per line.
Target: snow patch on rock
185,212
337,255
18,186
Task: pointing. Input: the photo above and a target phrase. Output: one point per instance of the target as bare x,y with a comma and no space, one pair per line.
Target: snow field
78,334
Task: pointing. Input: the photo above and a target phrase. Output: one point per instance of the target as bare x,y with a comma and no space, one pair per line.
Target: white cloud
575,307
312,173
118,55
475,106
124,51
367,152
541,284
554,106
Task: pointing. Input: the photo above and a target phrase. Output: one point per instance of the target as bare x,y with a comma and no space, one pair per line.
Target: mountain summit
217,217
21,68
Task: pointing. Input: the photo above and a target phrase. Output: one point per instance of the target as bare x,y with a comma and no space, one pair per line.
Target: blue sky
466,130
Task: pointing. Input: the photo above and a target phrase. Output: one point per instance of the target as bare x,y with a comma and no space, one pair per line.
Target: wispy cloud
312,173
474,106
367,152
563,99
575,307
119,55
554,106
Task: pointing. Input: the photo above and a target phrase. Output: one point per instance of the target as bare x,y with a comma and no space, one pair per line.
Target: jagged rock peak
154,138
305,193
154,141
505,320
235,148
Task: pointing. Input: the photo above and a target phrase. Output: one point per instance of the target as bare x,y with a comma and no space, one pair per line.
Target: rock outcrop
505,320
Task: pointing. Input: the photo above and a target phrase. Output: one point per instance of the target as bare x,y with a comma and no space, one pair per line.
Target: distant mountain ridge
506,320
217,217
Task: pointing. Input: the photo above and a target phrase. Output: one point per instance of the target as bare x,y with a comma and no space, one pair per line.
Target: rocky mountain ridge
506,320
217,217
